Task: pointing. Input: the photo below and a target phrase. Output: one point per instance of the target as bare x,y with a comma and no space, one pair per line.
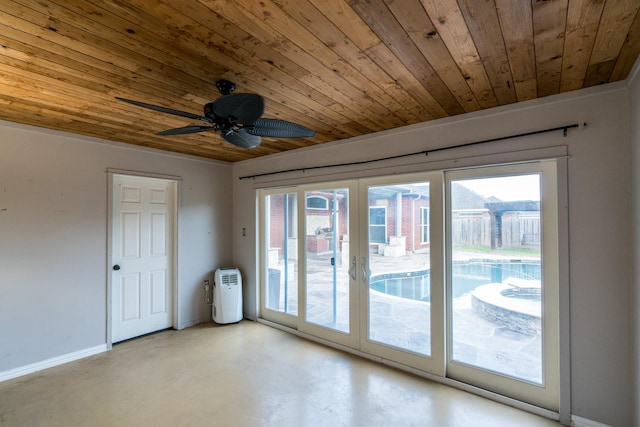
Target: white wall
634,119
599,170
53,237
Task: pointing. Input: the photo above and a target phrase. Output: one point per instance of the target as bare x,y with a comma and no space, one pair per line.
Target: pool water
413,285
466,276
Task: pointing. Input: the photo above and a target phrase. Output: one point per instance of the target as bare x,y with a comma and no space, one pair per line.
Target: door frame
351,338
286,319
433,363
176,181
547,393
559,154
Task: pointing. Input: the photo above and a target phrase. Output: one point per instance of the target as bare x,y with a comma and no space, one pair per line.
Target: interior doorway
142,255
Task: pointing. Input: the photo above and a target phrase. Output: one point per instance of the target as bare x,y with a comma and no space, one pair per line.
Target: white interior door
142,255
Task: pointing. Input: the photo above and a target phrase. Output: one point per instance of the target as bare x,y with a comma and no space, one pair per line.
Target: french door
400,268
453,272
331,273
328,273
502,280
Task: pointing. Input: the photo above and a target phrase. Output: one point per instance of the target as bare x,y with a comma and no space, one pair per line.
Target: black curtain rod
564,129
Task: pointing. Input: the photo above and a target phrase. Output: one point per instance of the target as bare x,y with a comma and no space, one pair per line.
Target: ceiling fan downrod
225,87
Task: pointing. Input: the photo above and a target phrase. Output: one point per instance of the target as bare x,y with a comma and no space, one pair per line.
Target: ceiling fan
237,116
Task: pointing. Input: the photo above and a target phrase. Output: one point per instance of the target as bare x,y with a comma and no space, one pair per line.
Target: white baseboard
50,363
189,324
585,422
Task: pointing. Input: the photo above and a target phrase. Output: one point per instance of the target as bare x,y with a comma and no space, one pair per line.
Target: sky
510,188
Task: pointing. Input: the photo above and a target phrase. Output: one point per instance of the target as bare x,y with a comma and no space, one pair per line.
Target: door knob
116,267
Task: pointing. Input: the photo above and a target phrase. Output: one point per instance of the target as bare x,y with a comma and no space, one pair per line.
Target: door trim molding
177,183
114,171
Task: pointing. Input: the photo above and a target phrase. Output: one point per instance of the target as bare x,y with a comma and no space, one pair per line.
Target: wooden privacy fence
517,230
520,231
474,231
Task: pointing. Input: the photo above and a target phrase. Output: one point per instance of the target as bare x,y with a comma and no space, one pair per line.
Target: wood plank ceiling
340,67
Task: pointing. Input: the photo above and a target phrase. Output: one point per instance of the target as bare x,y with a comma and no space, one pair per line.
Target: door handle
365,271
353,268
116,267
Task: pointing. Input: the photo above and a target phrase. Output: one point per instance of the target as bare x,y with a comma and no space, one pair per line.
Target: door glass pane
281,293
496,281
327,253
399,283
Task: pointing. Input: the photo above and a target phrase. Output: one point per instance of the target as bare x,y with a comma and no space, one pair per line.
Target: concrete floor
246,375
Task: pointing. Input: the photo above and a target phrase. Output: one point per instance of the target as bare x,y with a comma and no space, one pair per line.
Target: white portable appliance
227,296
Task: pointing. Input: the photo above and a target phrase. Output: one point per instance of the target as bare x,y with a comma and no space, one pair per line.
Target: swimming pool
466,276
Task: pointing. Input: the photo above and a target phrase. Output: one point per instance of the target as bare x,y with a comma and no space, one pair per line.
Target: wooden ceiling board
363,37
388,92
316,41
615,23
516,22
484,25
549,25
339,83
629,53
343,68
378,16
420,29
450,25
583,19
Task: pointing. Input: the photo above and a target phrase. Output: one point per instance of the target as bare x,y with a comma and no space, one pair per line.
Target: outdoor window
280,249
377,224
317,202
424,225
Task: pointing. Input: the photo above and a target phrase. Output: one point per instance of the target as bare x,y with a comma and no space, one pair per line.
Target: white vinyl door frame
545,394
556,160
350,338
176,181
434,363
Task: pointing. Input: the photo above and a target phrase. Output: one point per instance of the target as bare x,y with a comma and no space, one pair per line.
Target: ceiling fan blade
276,128
166,110
244,108
186,130
241,138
